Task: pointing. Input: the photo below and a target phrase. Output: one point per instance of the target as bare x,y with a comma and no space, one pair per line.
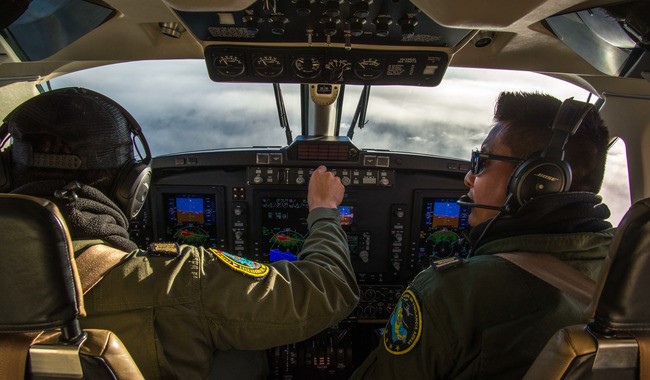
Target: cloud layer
180,109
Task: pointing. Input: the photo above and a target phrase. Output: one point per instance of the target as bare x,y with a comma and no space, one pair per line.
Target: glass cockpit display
284,226
442,225
191,219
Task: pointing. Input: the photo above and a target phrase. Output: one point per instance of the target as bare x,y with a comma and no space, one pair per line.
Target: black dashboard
399,213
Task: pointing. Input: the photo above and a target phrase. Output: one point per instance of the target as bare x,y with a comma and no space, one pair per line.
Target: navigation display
190,218
284,225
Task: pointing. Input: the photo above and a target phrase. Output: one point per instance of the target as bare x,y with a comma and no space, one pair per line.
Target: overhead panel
358,42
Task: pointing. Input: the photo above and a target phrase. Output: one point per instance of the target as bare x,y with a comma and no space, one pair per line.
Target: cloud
180,109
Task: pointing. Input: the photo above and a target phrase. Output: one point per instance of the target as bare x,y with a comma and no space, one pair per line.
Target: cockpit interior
400,210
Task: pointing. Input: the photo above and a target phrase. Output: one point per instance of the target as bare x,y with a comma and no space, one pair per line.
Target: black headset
133,181
547,172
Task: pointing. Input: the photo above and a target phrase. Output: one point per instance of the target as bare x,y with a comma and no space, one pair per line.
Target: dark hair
102,179
526,119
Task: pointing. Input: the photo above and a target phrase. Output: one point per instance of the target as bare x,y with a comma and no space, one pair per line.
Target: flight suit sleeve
251,305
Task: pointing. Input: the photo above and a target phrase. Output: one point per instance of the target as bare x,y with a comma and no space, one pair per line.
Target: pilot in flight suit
175,308
485,317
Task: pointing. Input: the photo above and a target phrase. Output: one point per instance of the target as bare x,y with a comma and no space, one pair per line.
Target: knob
303,7
399,213
361,9
300,180
382,25
239,235
329,25
238,211
252,23
346,181
331,8
277,24
257,180
364,256
384,181
398,237
408,26
356,26
370,311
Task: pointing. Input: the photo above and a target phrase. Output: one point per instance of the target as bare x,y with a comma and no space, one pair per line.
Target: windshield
187,111
180,109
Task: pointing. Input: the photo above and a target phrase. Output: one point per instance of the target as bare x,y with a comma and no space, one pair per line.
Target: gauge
307,67
369,68
268,66
229,65
337,67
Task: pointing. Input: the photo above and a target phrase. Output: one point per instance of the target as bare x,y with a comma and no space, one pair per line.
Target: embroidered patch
241,264
404,326
166,249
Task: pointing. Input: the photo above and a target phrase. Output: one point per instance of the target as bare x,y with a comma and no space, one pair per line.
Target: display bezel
159,210
259,241
419,200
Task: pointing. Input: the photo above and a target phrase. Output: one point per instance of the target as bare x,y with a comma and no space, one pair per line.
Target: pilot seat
41,301
616,344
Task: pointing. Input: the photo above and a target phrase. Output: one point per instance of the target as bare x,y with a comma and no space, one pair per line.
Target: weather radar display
284,226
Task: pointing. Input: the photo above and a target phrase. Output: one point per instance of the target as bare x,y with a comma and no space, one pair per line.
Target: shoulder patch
241,264
404,327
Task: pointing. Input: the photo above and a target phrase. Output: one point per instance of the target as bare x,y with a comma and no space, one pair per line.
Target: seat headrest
624,304
39,285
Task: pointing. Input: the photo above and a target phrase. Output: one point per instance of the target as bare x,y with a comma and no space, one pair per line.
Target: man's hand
325,190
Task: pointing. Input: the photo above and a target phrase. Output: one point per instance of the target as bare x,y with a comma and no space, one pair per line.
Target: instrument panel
399,214
324,65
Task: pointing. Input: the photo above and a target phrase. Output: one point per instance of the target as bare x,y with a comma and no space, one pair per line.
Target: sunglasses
479,158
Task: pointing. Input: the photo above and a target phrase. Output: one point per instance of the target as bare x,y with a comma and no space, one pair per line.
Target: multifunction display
284,226
442,225
191,218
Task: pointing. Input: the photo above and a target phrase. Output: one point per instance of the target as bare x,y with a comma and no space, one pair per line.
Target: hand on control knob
325,189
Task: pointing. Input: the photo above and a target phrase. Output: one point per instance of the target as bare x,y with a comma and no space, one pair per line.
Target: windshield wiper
282,112
360,112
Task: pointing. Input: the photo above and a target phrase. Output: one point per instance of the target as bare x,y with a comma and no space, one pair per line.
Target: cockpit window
181,109
48,26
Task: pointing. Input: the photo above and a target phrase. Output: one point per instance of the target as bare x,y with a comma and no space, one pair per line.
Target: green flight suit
174,314
486,318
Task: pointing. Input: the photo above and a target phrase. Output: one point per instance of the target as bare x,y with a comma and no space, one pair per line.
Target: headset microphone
466,201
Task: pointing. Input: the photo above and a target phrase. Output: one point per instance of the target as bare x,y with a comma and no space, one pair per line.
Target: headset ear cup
538,176
5,171
131,188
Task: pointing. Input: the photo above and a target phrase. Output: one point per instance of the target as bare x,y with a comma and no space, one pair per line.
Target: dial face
337,68
268,66
307,67
369,68
229,65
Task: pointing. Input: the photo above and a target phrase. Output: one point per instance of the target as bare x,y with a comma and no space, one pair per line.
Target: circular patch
404,326
241,264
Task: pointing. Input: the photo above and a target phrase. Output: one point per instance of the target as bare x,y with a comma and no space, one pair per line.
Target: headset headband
566,123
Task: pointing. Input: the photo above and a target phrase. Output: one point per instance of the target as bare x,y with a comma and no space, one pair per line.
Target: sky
181,109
